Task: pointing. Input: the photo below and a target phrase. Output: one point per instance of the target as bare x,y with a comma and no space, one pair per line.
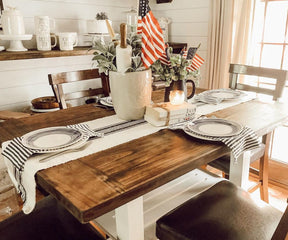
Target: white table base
130,220
239,170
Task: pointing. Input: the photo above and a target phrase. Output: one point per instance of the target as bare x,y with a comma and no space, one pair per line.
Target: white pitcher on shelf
43,26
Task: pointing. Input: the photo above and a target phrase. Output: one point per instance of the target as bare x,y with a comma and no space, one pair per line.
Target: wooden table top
96,184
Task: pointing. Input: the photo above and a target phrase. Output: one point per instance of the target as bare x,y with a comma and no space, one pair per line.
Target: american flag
184,52
153,44
197,61
165,59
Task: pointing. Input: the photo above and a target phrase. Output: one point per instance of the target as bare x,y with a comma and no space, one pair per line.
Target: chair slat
57,80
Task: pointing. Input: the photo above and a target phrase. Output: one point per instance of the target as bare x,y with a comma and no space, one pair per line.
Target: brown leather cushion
223,212
48,221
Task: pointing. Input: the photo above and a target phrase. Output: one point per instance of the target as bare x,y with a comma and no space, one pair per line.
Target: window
269,48
269,38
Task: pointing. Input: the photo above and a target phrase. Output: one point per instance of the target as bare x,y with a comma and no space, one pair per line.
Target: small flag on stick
153,44
197,61
165,58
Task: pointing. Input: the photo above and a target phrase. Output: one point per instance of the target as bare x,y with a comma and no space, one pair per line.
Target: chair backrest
281,77
56,81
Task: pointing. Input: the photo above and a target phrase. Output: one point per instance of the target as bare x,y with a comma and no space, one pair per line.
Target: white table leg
239,170
130,220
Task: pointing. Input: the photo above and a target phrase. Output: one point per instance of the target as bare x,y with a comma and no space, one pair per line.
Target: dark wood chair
57,80
49,220
223,212
262,153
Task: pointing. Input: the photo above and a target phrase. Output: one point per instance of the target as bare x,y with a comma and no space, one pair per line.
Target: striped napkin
18,154
244,141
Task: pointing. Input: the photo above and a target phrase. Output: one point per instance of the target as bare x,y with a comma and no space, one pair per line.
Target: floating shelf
32,54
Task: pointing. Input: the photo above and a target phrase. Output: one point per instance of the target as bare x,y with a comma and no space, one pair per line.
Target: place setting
237,137
217,96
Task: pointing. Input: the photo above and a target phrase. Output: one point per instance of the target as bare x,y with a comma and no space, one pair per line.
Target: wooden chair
223,163
56,81
49,220
223,212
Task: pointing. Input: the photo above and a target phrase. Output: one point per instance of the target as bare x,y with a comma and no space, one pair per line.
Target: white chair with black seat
281,76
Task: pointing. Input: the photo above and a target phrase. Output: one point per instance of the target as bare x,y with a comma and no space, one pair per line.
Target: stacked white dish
212,128
218,95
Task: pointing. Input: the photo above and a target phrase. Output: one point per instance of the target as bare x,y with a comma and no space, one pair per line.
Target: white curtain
230,26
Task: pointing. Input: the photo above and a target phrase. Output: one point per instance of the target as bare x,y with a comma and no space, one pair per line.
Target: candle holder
177,94
178,90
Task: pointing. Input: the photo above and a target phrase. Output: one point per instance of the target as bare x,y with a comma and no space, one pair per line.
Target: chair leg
264,168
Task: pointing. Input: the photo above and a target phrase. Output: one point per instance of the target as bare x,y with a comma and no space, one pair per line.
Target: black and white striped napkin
244,141
18,154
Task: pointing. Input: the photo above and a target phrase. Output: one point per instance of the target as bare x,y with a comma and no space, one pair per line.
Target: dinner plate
52,139
224,94
107,101
214,127
192,134
44,110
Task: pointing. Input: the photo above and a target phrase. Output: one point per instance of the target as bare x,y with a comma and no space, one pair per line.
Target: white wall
189,24
23,80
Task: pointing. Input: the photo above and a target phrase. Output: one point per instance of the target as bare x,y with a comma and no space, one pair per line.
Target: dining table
118,177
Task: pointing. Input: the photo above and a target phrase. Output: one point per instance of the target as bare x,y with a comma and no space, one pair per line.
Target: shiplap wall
23,80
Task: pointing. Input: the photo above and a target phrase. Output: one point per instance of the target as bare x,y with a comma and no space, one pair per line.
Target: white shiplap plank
189,29
185,15
12,65
180,4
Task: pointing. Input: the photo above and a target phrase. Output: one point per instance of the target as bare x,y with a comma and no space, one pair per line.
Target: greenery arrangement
101,16
105,55
177,70
105,60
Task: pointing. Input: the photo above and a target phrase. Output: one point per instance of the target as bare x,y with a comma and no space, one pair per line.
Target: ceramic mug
44,42
43,24
67,40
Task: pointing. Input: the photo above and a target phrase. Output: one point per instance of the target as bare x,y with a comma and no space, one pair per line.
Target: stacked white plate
107,101
211,129
218,95
54,139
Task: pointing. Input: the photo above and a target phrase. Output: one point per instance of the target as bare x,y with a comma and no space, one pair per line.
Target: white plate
190,133
217,127
107,101
224,94
52,139
44,110
2,48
